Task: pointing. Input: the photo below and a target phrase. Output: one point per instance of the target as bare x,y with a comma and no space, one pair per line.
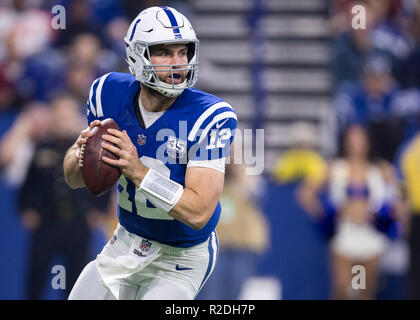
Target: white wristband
161,191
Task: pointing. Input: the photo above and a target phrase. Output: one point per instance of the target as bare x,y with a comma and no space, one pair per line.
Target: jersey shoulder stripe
221,116
220,110
99,110
95,99
91,104
107,94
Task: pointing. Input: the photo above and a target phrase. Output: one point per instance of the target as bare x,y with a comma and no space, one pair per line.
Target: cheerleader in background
364,196
359,208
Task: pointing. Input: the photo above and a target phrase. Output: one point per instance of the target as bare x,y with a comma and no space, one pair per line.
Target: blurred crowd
45,74
38,62
376,71
365,199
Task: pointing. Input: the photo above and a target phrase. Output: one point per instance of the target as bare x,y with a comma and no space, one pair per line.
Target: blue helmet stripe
173,21
134,29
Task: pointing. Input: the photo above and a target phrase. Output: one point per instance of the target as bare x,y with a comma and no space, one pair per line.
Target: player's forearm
192,204
72,172
193,210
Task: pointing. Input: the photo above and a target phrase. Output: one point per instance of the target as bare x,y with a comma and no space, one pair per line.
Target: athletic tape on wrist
161,191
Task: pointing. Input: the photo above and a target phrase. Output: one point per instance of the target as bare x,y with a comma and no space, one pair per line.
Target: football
98,176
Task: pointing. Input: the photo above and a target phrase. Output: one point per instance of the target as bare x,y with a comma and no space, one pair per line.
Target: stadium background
278,62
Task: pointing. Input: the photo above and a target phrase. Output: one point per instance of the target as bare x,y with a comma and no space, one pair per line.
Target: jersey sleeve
101,102
211,136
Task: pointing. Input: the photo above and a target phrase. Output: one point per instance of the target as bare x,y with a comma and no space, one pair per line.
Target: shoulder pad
214,115
105,92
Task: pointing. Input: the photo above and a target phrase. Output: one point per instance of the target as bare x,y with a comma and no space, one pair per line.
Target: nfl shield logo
141,139
145,245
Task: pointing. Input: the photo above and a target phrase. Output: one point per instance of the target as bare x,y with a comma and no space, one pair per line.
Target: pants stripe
213,251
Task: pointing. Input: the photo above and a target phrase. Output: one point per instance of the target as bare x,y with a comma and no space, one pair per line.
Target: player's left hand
128,162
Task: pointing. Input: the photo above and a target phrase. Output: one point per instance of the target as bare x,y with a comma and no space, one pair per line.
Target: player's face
175,54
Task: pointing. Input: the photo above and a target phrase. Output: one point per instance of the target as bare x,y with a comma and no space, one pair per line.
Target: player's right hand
84,136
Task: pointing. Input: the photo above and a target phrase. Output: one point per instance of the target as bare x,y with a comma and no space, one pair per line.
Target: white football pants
131,267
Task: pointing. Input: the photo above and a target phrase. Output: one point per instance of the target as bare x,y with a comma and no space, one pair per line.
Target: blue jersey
197,127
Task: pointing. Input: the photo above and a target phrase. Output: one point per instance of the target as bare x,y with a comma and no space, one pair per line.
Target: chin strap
167,90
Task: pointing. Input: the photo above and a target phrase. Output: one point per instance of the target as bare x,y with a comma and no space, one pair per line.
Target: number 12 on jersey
218,139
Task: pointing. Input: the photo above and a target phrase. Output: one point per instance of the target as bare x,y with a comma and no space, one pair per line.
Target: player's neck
153,101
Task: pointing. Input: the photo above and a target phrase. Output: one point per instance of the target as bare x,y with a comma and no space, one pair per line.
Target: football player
172,147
